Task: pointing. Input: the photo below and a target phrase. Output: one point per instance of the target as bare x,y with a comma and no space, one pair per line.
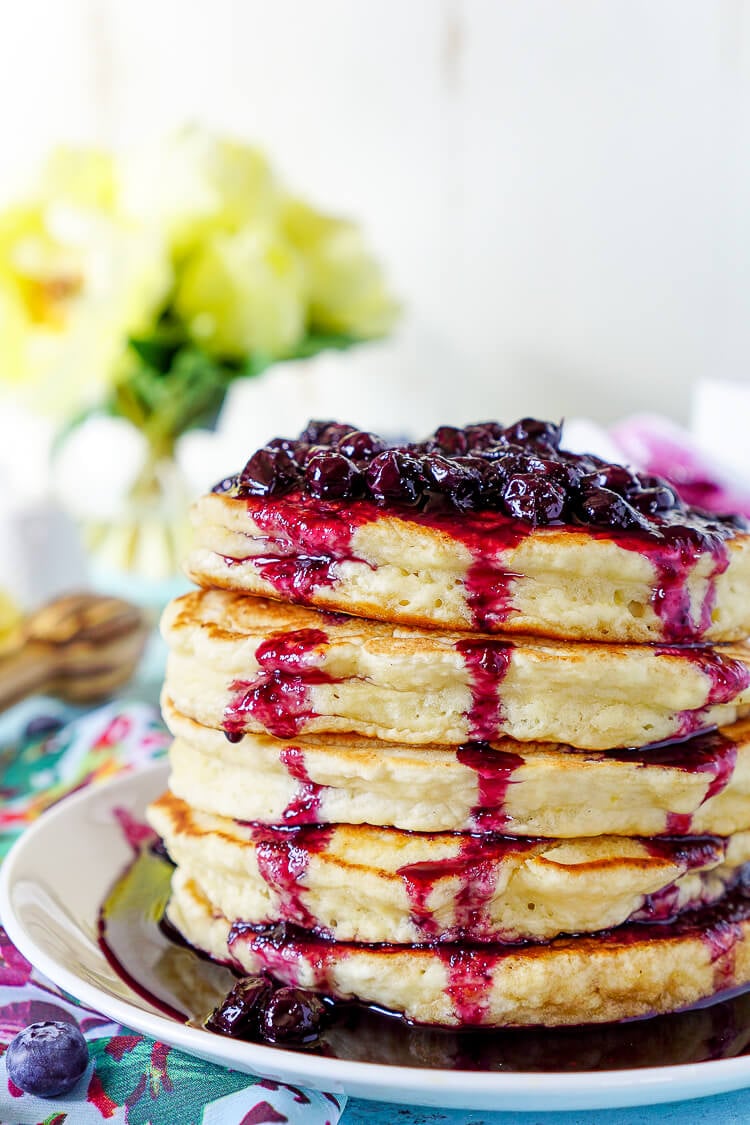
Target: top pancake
477,570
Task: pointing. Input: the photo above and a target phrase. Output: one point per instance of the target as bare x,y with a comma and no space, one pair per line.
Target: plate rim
520,1091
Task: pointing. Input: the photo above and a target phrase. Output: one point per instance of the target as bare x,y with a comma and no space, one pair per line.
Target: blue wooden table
728,1109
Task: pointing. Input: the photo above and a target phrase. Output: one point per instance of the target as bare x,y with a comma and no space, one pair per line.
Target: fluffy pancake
520,789
475,570
370,884
632,971
251,664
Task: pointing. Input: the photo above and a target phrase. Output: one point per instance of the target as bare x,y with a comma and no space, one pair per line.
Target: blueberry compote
487,485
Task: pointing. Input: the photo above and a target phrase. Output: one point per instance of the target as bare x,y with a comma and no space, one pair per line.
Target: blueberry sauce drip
489,589
283,855
691,854
494,770
487,663
304,806
673,555
280,948
310,541
290,652
721,941
727,676
487,486
711,752
476,866
469,979
278,697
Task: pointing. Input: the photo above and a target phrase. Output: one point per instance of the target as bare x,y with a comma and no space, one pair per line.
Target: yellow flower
347,290
244,294
84,177
196,184
75,282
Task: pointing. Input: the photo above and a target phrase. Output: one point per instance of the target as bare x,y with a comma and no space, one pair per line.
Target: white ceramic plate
52,886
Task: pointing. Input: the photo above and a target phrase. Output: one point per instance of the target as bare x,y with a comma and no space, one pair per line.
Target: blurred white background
560,190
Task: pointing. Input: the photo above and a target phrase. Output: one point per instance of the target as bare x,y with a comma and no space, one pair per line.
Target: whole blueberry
459,479
293,1016
297,450
532,431
605,508
395,477
332,476
481,435
534,498
651,501
361,445
47,1059
334,432
238,1014
614,477
450,440
269,472
314,431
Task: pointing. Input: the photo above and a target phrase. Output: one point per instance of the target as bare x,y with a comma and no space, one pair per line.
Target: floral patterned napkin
131,1080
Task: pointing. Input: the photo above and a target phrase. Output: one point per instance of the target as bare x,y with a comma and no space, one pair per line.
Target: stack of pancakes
524,805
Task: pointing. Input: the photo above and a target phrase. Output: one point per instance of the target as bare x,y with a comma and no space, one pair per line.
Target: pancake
476,570
368,884
698,786
635,970
252,664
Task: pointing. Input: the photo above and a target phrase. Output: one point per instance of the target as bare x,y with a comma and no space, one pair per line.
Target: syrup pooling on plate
278,697
487,486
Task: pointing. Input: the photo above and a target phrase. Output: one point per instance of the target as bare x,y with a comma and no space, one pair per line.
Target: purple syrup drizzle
487,663
476,866
278,698
710,752
283,855
304,806
494,770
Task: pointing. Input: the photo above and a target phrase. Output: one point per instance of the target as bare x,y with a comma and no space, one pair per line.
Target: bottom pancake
632,971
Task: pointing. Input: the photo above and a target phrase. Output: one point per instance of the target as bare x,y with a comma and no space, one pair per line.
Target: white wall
560,188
